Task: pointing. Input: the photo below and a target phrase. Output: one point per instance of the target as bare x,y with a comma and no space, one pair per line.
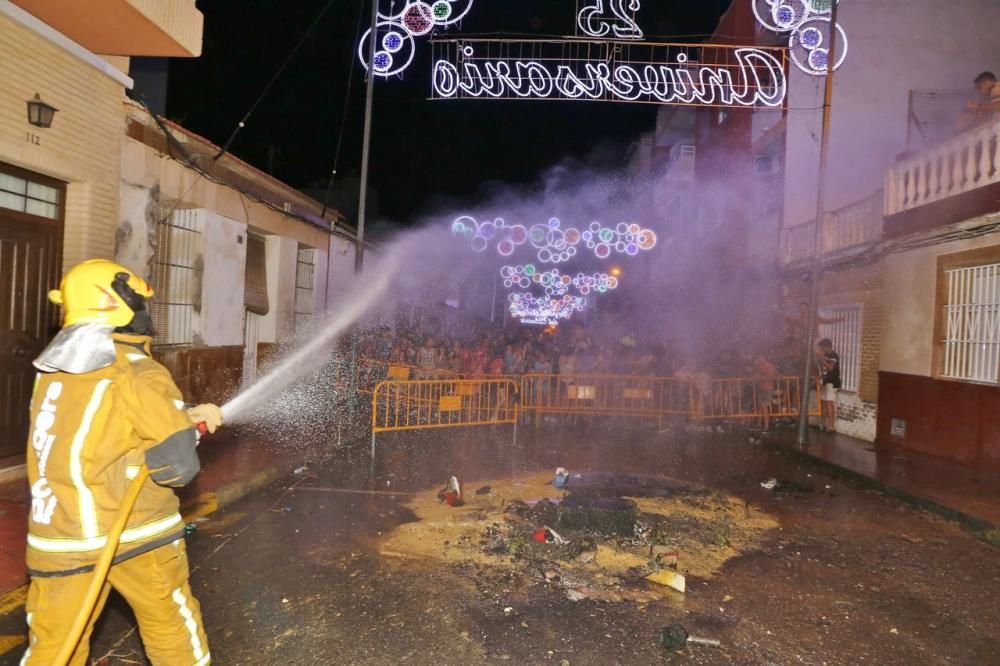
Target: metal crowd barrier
400,403
658,397
750,398
370,372
605,395
443,403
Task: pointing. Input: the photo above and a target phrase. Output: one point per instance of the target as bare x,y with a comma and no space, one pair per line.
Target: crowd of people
567,350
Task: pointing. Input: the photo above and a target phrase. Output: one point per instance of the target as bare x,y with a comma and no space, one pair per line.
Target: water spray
299,364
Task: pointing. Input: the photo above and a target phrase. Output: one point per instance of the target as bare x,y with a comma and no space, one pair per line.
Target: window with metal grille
842,325
305,281
176,278
972,324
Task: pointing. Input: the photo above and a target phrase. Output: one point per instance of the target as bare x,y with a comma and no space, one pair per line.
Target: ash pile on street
611,537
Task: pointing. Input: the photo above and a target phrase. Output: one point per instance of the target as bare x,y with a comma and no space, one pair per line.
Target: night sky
423,152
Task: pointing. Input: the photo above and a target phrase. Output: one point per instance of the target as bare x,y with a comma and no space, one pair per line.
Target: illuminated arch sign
610,71
607,60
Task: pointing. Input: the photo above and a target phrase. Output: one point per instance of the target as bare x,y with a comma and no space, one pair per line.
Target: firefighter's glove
208,414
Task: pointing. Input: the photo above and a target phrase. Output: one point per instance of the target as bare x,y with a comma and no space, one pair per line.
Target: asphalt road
293,575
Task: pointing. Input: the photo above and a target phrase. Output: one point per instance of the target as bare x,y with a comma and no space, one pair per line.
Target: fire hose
101,569
103,565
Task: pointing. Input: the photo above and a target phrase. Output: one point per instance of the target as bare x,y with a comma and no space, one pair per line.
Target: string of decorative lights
555,283
531,309
553,243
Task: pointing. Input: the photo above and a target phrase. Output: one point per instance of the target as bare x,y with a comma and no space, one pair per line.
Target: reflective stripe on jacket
90,434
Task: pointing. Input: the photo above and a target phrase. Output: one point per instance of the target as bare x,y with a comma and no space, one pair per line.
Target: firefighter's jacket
90,434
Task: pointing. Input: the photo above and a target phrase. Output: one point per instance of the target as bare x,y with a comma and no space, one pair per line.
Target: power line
302,40
191,162
343,117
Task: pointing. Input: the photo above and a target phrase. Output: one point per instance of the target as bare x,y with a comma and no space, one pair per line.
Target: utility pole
359,255
817,265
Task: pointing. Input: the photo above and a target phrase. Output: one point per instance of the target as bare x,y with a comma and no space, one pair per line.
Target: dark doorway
31,228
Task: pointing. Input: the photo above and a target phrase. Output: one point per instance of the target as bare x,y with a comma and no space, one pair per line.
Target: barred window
842,325
176,278
972,324
305,281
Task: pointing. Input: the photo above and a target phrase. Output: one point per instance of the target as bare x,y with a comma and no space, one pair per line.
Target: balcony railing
852,226
965,163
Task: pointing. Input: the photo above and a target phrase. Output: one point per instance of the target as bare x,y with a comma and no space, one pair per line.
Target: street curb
966,520
210,502
14,473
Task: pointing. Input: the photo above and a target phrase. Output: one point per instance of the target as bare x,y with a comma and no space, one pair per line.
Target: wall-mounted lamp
40,114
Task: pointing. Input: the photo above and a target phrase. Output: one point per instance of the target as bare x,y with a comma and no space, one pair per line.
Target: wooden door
30,258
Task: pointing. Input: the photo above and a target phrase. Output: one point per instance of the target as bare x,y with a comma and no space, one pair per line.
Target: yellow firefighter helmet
98,291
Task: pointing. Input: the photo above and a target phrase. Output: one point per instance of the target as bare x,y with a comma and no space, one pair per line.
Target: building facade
240,261
59,185
907,250
879,113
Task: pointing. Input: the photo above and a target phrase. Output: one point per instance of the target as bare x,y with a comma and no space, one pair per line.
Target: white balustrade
967,162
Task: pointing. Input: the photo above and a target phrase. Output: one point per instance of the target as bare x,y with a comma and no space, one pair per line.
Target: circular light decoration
808,25
397,32
418,18
383,61
441,10
392,42
552,243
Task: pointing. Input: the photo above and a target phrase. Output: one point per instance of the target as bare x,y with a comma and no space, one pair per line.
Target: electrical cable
881,249
191,162
343,117
302,40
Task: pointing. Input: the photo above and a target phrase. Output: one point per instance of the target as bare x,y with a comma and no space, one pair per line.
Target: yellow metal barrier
749,398
400,402
370,372
605,395
443,403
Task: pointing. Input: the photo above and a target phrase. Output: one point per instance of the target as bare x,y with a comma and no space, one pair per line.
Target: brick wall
83,146
857,412
856,417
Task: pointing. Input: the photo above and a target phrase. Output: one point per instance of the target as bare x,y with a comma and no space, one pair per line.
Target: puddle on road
620,529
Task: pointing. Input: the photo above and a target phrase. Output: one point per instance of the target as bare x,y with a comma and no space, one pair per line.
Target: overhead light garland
553,243
531,309
555,283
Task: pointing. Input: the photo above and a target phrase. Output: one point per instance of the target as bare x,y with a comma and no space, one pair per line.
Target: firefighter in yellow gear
102,407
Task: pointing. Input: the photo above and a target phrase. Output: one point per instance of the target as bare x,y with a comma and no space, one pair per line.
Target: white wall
894,46
909,285
319,282
340,277
224,280
136,228
279,324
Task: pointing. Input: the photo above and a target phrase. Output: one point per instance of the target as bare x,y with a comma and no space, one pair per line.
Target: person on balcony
985,107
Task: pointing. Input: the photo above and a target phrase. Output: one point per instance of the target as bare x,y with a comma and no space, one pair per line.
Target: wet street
296,574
